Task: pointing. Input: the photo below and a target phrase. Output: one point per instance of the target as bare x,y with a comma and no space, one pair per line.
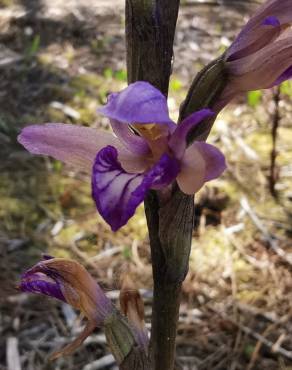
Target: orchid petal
261,69
250,43
214,159
202,162
271,21
140,102
75,145
136,144
287,75
280,9
117,193
257,31
39,283
178,140
132,163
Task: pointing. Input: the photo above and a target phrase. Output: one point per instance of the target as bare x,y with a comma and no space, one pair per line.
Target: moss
17,206
6,3
260,141
86,81
55,115
230,188
67,234
249,296
211,252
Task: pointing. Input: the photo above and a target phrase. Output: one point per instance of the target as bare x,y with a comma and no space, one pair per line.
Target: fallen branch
274,347
12,354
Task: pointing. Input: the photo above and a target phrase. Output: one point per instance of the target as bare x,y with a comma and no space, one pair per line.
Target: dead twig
277,349
269,238
274,172
101,363
12,354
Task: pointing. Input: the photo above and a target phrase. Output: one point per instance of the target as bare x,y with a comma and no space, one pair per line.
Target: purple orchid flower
69,282
148,151
261,55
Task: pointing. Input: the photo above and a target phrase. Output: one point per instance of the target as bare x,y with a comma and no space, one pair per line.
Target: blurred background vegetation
58,62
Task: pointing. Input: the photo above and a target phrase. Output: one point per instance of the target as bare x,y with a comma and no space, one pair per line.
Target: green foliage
127,253
57,166
248,350
6,3
34,47
8,126
254,98
175,84
108,73
120,75
286,88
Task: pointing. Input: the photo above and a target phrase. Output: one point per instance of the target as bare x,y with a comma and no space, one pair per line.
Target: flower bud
261,55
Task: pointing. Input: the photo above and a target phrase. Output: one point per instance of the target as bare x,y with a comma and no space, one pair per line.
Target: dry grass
236,310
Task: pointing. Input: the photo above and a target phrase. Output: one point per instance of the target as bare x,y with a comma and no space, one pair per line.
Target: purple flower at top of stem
261,55
69,282
148,151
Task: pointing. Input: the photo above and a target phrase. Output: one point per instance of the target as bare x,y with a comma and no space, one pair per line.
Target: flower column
150,28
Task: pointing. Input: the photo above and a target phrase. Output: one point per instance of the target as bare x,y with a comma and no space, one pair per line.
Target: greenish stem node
119,336
176,220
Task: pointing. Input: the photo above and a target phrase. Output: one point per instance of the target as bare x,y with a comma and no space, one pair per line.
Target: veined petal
202,162
117,193
75,145
140,102
178,140
72,144
214,159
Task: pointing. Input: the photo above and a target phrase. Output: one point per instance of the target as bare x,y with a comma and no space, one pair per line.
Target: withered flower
69,282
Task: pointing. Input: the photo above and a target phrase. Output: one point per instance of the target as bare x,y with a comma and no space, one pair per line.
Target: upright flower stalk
150,158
